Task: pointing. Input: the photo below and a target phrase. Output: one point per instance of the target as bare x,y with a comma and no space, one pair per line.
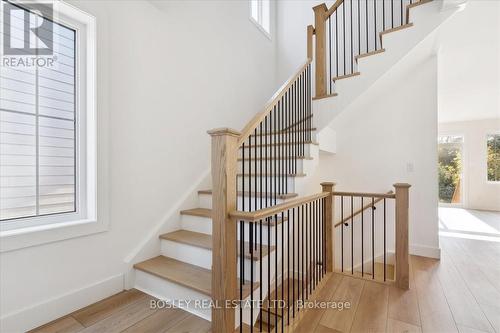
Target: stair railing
251,170
292,242
349,30
364,237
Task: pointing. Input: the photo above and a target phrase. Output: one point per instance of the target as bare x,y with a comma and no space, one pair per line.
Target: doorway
450,170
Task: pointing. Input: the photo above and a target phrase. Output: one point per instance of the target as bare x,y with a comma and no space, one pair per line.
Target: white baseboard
44,312
425,251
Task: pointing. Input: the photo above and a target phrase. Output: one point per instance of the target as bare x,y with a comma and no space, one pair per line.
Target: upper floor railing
350,30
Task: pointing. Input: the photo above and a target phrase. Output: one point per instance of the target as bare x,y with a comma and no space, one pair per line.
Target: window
493,155
46,118
260,14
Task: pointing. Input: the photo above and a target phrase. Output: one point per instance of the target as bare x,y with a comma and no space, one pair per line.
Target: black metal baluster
343,33
385,245
392,13
276,271
352,42
288,265
352,234
401,12
359,27
362,239
307,222
261,190
336,44
366,19
282,268
302,256
373,238
242,258
265,160
375,22
330,52
261,299
342,233
383,15
273,147
269,256
293,262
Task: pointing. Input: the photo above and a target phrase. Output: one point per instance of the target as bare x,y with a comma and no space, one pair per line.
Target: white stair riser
172,292
273,183
279,150
205,201
204,225
203,257
192,300
292,165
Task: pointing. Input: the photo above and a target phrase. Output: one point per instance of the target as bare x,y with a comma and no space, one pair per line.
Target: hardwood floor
459,293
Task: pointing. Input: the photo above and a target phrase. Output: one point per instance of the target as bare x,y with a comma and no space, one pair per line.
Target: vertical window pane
37,131
254,4
493,155
266,15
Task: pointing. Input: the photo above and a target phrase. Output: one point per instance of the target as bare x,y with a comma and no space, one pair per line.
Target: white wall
477,191
387,131
469,63
166,75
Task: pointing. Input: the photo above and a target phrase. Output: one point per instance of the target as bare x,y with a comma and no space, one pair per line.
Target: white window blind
38,131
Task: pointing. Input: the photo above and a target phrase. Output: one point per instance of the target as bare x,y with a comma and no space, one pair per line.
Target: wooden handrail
259,117
333,8
359,211
273,210
365,194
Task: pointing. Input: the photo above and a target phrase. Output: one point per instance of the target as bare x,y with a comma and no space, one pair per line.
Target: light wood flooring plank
397,326
158,322
63,325
371,314
435,315
102,309
349,290
124,317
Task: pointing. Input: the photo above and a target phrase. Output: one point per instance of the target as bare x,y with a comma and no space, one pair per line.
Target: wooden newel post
329,239
224,247
402,242
320,51
310,33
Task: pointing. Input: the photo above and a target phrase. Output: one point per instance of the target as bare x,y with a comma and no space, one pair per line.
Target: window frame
20,232
489,133
259,20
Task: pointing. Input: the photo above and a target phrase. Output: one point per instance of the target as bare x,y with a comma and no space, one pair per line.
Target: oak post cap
403,185
224,131
321,6
327,186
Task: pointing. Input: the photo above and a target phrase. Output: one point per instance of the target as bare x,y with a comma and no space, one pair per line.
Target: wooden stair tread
191,276
240,193
401,27
342,77
368,54
282,144
205,241
207,212
315,98
200,212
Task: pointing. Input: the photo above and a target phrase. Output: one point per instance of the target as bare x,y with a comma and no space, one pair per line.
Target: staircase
258,230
